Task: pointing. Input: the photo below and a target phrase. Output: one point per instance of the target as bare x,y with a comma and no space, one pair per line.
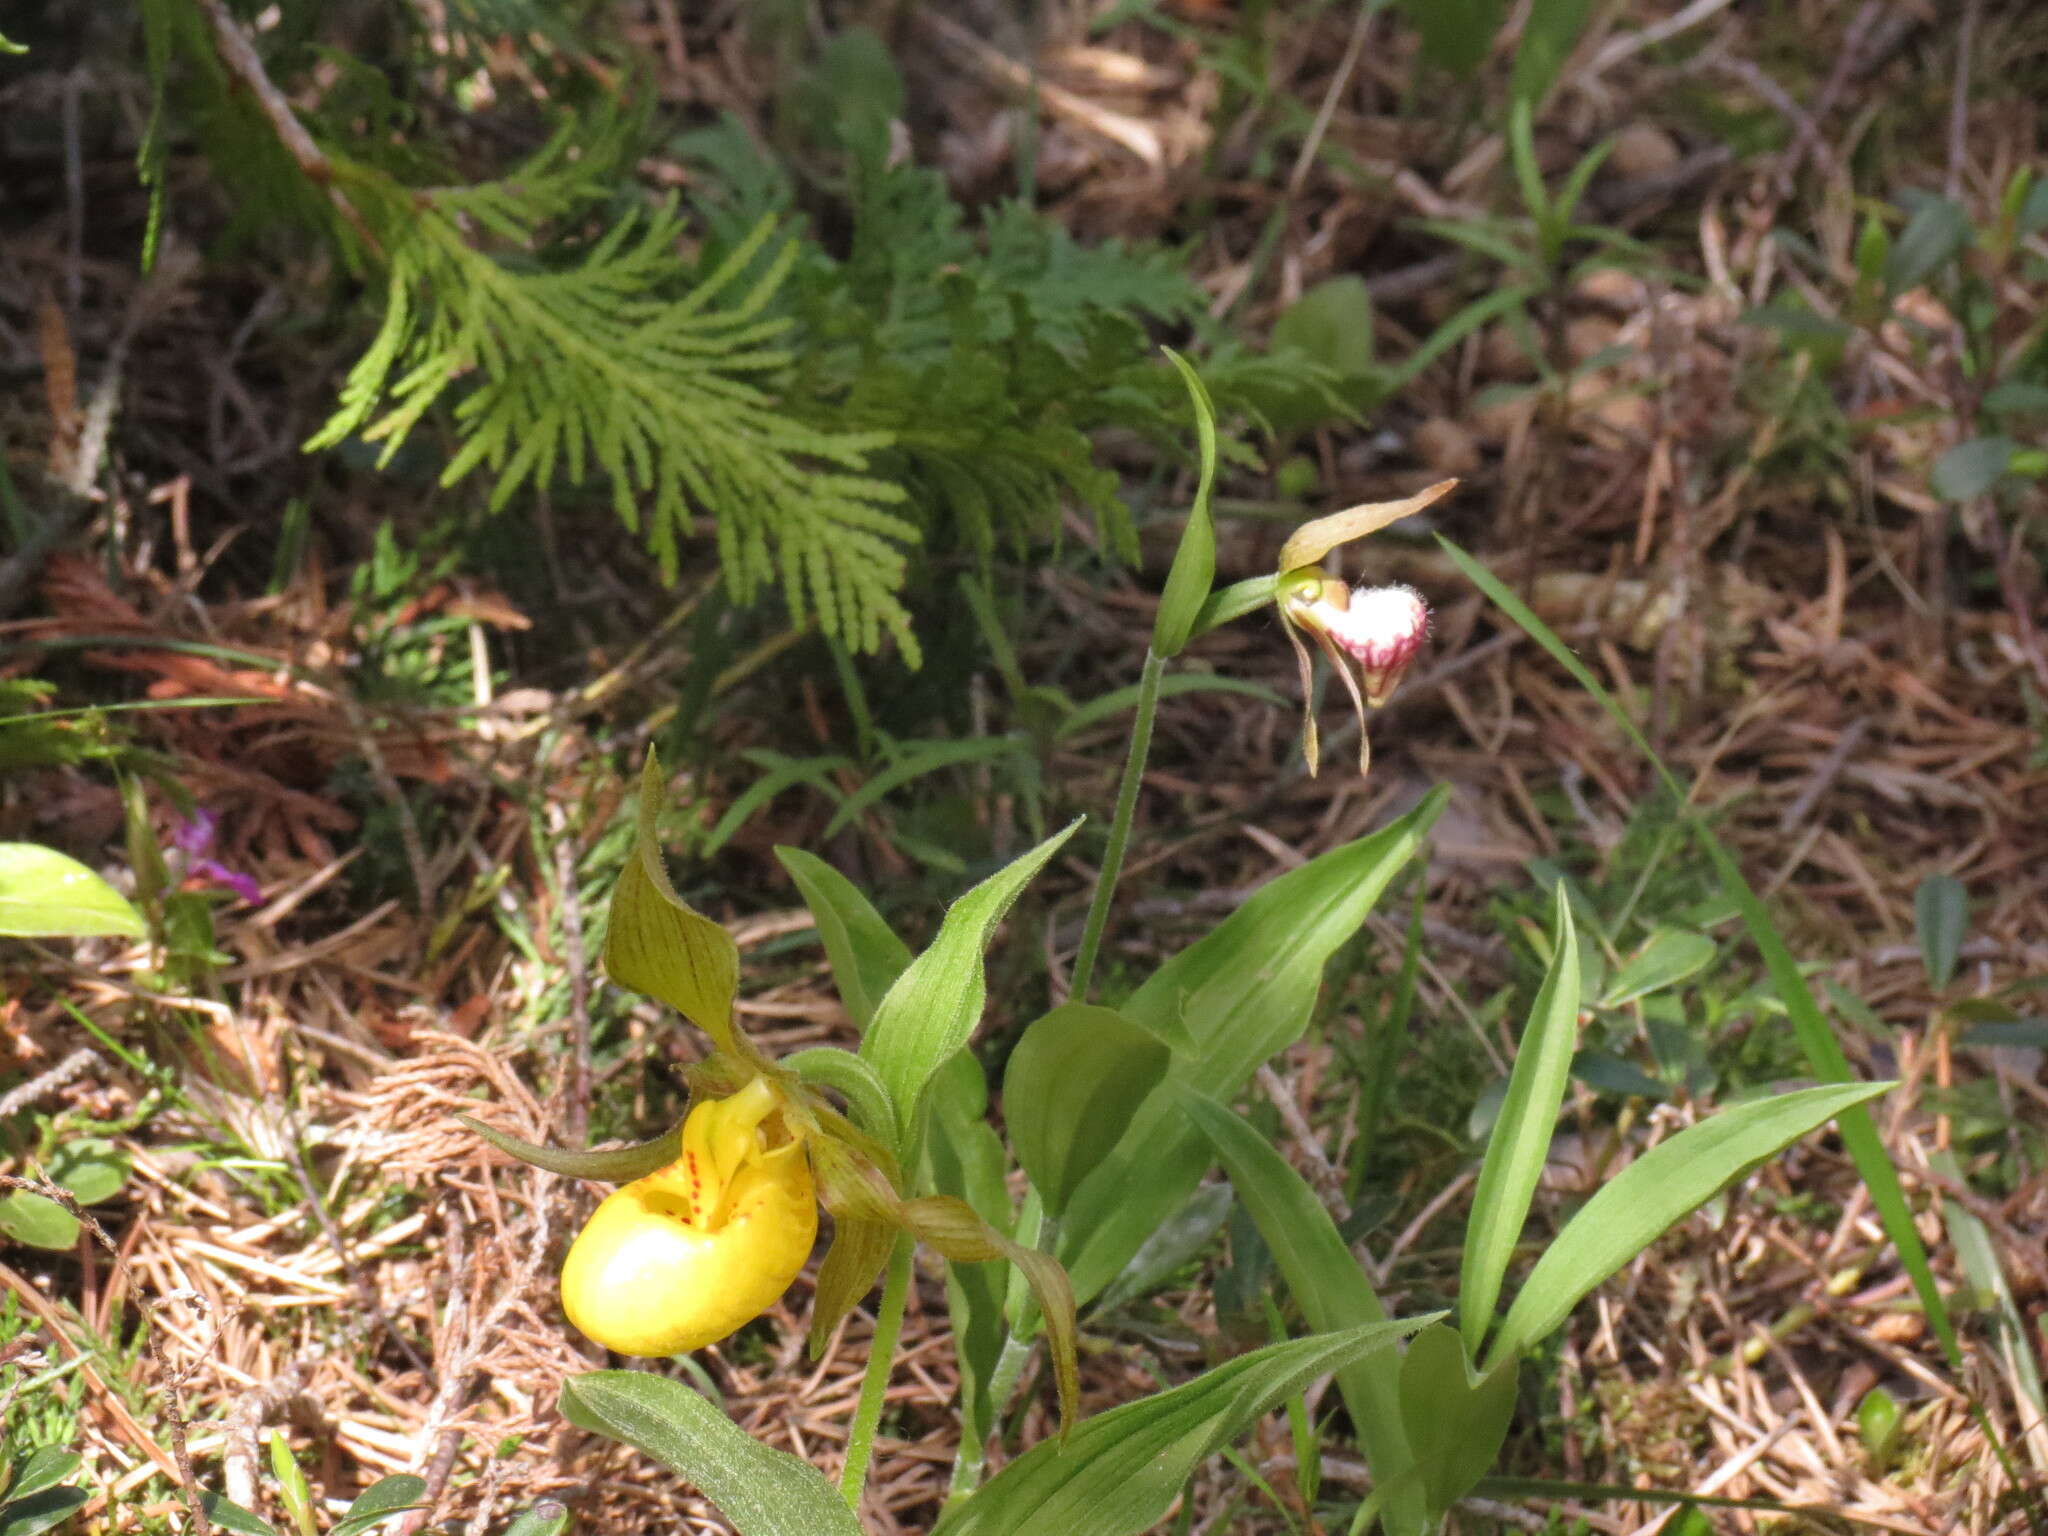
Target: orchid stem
1120,828
874,1383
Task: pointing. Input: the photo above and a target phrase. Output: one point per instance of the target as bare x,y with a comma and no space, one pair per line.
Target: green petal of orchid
661,946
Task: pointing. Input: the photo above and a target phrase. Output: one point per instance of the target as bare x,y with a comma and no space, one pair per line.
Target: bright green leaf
1520,1143
1120,1471
1194,561
934,1005
40,1470
229,1516
1077,1076
1243,992
93,1170
866,955
1329,1287
547,1518
762,1491
45,894
1667,958
1456,1422
1656,1191
383,1500
38,1222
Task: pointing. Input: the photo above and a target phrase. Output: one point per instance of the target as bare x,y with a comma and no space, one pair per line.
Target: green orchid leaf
1331,1290
1520,1141
1194,561
762,1491
1077,1076
933,1007
613,1165
45,894
1637,1206
865,953
658,945
1456,1422
1243,992
1118,1473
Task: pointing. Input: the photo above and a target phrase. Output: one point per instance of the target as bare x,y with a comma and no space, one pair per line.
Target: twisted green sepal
612,1165
660,946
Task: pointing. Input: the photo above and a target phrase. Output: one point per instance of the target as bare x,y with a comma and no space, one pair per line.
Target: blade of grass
1822,1051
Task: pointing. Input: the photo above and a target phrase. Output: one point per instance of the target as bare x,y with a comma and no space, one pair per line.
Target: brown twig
239,57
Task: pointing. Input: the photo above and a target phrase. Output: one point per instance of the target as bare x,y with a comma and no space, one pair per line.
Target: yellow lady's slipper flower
1370,635
684,1256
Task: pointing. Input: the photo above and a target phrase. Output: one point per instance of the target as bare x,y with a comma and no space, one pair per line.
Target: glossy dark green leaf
41,1512
40,1470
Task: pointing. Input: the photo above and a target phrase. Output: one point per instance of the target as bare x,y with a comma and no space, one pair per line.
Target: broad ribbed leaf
1331,1290
1632,1210
1120,1471
1456,1422
1077,1076
1520,1143
657,944
1242,993
45,894
866,955
762,1491
934,1005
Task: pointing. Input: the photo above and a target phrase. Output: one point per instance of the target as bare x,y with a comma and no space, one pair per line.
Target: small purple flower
193,838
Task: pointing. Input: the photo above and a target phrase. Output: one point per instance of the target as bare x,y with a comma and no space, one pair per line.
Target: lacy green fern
597,366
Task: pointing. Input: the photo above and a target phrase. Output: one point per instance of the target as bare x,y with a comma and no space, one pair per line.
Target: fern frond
593,368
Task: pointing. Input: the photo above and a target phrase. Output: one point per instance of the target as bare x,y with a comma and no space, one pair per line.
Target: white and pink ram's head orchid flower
1369,635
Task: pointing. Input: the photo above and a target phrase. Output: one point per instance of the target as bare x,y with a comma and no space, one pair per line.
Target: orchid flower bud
683,1257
